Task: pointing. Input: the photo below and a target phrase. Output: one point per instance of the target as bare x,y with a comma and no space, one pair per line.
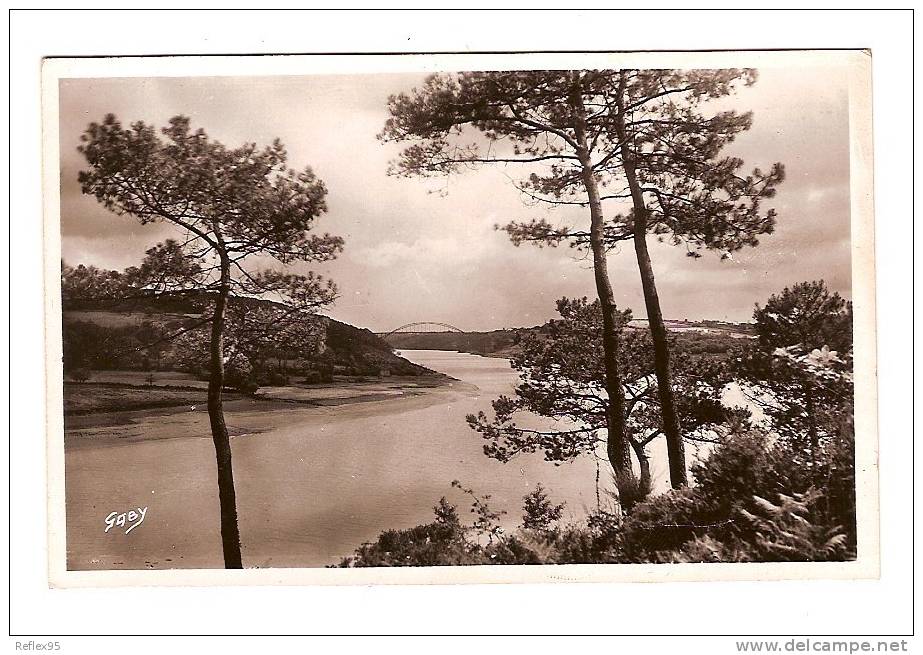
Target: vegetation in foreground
751,502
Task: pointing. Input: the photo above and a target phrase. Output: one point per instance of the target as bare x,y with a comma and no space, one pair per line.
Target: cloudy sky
426,250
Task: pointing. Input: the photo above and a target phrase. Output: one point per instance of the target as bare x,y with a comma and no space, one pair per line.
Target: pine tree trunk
645,482
676,452
230,532
617,447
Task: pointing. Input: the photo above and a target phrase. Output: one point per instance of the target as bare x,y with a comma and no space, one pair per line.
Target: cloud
427,250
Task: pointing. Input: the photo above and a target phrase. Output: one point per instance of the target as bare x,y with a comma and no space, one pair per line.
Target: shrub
661,524
591,543
443,542
313,377
80,374
778,532
632,490
447,541
240,377
752,502
539,513
273,379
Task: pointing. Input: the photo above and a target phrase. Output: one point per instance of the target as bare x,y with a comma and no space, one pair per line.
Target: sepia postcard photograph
354,319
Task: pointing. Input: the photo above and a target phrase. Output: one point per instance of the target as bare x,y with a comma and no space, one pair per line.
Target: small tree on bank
563,378
230,204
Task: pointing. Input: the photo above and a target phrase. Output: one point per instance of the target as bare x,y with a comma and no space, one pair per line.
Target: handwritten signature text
132,518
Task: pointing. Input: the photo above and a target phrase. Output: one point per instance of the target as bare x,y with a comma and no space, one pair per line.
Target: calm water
312,483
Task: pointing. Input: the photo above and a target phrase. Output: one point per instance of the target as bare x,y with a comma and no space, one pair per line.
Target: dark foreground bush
440,543
448,542
750,503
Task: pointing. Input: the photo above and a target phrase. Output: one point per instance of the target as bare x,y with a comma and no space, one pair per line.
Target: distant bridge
421,327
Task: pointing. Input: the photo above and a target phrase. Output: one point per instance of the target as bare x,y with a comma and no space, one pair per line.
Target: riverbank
107,411
116,391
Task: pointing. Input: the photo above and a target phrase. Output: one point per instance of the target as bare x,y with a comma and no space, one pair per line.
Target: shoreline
248,415
174,395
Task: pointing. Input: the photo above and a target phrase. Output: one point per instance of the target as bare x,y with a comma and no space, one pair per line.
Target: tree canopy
800,372
563,378
657,118
238,201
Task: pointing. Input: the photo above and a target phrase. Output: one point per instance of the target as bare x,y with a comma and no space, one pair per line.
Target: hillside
133,335
497,343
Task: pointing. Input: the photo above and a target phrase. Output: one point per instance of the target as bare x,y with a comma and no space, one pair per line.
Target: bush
440,543
659,525
273,379
448,542
752,502
80,374
594,542
241,378
313,377
778,532
539,513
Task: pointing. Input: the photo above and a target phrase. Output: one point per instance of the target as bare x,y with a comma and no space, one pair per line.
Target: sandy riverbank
248,416
112,400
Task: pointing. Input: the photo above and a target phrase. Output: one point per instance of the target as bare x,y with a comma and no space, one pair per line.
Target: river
313,483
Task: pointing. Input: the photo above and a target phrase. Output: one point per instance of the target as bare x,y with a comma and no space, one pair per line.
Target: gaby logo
132,518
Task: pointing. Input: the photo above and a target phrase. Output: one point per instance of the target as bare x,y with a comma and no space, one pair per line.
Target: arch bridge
421,327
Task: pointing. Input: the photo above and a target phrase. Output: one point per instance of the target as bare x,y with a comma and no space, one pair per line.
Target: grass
92,397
